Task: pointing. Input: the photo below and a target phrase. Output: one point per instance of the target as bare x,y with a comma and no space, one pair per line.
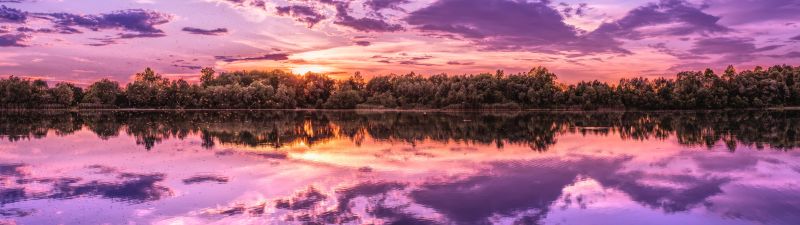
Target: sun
303,69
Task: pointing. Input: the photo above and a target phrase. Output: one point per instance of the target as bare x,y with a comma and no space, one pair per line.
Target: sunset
82,41
400,112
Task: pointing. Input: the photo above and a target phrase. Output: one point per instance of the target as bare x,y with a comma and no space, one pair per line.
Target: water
296,167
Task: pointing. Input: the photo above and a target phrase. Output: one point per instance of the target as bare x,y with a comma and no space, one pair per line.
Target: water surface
312,167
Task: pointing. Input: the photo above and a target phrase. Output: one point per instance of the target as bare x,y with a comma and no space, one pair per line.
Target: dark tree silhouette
537,89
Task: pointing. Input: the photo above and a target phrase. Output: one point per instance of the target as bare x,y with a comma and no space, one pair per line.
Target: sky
82,41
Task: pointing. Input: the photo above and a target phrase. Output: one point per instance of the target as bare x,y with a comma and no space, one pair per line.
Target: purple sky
82,41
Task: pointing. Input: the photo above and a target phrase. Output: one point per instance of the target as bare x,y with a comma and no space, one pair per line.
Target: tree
207,76
64,94
103,92
147,90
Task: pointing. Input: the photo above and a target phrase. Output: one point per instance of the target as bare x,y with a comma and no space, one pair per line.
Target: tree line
539,88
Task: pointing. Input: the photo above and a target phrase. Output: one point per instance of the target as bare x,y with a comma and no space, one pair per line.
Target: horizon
81,42
192,79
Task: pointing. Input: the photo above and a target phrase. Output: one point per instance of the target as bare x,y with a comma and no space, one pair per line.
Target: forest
776,86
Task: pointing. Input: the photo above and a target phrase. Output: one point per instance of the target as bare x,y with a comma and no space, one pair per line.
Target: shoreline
792,108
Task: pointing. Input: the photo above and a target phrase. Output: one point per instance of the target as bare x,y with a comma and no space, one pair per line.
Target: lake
345,167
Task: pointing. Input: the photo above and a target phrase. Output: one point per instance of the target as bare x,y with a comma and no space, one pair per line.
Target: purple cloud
742,12
404,59
134,20
789,55
249,3
110,40
364,24
367,24
728,45
457,63
732,49
140,35
506,25
193,30
377,5
103,42
11,15
273,56
311,16
796,38
689,19
32,30
14,40
362,43
190,67
570,11
301,13
502,24
662,48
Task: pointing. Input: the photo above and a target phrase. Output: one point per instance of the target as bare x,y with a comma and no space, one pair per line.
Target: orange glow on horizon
304,69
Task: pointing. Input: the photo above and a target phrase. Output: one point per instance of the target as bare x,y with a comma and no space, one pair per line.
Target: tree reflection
539,130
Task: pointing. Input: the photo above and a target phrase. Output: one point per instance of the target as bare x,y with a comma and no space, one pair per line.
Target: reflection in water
313,167
778,129
129,187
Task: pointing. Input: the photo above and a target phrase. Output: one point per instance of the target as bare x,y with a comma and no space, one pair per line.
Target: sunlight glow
303,69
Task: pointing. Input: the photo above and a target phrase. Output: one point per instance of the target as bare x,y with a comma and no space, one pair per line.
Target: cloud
457,63
247,3
789,55
364,24
570,11
132,20
681,17
11,15
302,200
193,30
727,45
508,190
140,35
737,12
110,40
367,24
796,38
663,48
273,56
731,50
39,30
377,5
362,43
129,187
310,15
502,23
14,169
404,59
134,23
205,178
16,212
14,40
301,13
189,67
506,25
